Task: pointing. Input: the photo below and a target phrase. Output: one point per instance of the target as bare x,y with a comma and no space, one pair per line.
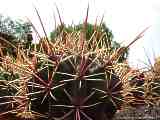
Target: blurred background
126,19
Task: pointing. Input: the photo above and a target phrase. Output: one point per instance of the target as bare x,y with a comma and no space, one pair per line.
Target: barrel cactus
145,86
74,82
65,79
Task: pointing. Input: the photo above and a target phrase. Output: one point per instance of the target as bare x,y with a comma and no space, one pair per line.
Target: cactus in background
144,86
154,80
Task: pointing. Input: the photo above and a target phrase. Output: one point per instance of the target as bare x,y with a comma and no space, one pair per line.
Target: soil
141,113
